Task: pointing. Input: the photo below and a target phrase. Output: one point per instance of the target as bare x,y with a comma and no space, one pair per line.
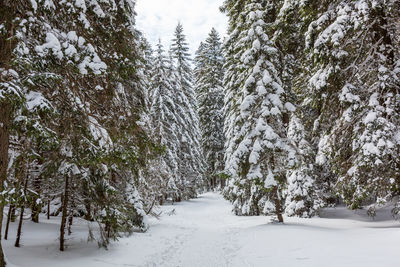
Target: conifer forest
274,143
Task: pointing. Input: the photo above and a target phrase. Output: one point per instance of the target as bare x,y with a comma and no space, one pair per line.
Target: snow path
203,232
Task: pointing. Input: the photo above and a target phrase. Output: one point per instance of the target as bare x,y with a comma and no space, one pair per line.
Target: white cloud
158,19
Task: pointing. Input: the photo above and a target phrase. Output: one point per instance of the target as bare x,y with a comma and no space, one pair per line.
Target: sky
158,19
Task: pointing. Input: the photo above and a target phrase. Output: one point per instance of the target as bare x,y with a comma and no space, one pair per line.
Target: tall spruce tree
191,162
304,195
165,122
209,75
75,83
257,149
354,86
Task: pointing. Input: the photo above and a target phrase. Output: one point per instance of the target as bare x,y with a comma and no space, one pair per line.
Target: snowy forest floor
203,232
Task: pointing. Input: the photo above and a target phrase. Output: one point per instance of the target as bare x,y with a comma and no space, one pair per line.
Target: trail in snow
203,232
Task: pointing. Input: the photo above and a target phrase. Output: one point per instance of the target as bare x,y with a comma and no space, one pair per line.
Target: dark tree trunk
13,215
107,230
5,112
19,231
64,213
222,181
36,207
21,216
35,211
70,220
7,45
48,209
10,210
88,215
213,183
278,205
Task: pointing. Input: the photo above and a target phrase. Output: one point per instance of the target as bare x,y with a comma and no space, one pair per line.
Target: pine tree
190,155
354,44
75,81
257,150
303,196
165,123
346,89
209,92
11,93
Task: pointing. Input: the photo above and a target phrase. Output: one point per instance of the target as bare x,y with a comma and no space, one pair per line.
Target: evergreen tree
191,162
257,150
354,85
69,84
209,91
165,123
304,195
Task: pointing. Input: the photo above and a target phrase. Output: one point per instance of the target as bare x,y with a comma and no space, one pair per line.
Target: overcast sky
158,19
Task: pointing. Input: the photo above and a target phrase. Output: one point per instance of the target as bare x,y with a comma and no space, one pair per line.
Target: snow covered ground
203,232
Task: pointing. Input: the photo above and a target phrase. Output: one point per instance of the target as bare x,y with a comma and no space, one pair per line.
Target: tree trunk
21,219
64,213
70,220
48,209
21,216
13,215
10,210
5,112
222,181
35,211
7,45
278,205
88,215
36,207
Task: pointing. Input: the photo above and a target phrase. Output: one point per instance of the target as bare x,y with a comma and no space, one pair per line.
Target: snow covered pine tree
165,122
304,193
257,150
191,161
71,75
209,75
353,48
